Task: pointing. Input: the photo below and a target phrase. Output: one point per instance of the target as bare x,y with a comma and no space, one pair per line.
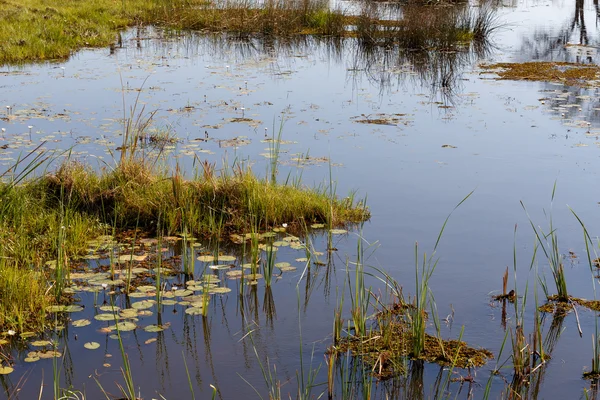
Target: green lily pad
123,326
91,345
143,304
268,235
81,322
139,295
168,302
302,259
146,288
317,226
154,328
227,258
234,274
219,290
31,359
106,317
129,313
281,243
194,310
182,293
41,343
49,354
210,279
338,231
5,370
109,308
219,266
206,258
73,308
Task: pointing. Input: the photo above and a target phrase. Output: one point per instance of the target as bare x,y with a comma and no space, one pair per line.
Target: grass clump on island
37,30
52,217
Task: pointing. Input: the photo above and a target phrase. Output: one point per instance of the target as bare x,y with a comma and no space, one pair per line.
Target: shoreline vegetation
36,30
47,222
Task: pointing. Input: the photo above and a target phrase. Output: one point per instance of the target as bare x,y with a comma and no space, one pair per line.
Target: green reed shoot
269,264
589,249
360,298
549,244
274,150
189,378
423,272
126,369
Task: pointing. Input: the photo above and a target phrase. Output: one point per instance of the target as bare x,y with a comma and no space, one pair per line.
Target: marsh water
451,129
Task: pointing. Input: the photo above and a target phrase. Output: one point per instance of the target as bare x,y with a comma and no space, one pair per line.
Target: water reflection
576,39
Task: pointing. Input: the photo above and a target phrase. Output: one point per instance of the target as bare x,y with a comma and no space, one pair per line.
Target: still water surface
507,141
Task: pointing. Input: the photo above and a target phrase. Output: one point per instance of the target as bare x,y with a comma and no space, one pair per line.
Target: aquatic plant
548,242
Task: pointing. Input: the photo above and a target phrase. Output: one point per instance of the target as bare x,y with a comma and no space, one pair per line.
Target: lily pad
81,322
123,326
194,310
143,304
154,328
91,345
234,274
109,308
227,258
206,258
139,295
338,231
41,343
219,266
317,226
106,317
129,313
219,290
145,288
168,302
5,370
49,354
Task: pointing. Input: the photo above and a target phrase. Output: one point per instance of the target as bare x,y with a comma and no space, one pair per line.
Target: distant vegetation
36,30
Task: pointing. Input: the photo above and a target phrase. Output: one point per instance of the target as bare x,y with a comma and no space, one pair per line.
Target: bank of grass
50,218
38,30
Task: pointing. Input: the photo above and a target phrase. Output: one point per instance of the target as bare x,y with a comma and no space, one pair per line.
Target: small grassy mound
388,345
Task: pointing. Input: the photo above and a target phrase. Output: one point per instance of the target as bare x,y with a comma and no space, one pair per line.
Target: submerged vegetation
34,30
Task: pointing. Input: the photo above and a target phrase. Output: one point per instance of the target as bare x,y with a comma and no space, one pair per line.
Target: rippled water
507,141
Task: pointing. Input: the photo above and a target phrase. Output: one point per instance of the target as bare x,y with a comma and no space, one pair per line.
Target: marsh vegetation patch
567,73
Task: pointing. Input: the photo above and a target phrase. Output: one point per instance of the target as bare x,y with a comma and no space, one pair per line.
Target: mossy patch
561,307
572,74
385,349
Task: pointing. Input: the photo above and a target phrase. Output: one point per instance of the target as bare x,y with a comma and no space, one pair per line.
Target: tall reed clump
423,298
594,373
548,242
